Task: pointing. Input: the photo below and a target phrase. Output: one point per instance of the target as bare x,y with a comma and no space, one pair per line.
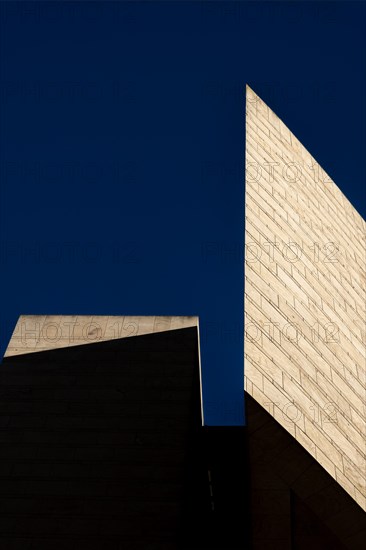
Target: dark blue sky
122,154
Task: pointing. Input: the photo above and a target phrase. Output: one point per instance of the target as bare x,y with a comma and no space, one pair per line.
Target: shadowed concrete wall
304,299
294,502
94,443
102,446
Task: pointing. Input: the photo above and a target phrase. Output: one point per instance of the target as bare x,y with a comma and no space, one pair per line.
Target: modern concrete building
102,419
305,308
102,440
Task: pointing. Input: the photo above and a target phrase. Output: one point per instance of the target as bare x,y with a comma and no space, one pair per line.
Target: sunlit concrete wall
304,299
35,333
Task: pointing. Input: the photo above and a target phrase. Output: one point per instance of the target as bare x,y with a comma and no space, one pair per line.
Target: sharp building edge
34,333
105,446
304,299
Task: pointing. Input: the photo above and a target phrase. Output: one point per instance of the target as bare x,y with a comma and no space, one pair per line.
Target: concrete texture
304,299
35,333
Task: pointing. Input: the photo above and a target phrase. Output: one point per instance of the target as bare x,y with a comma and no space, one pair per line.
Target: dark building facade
103,447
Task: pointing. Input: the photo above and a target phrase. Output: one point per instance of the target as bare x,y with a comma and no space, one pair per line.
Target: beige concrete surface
35,333
304,299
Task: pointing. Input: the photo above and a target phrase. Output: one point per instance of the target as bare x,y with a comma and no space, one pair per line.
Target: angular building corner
105,439
304,300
